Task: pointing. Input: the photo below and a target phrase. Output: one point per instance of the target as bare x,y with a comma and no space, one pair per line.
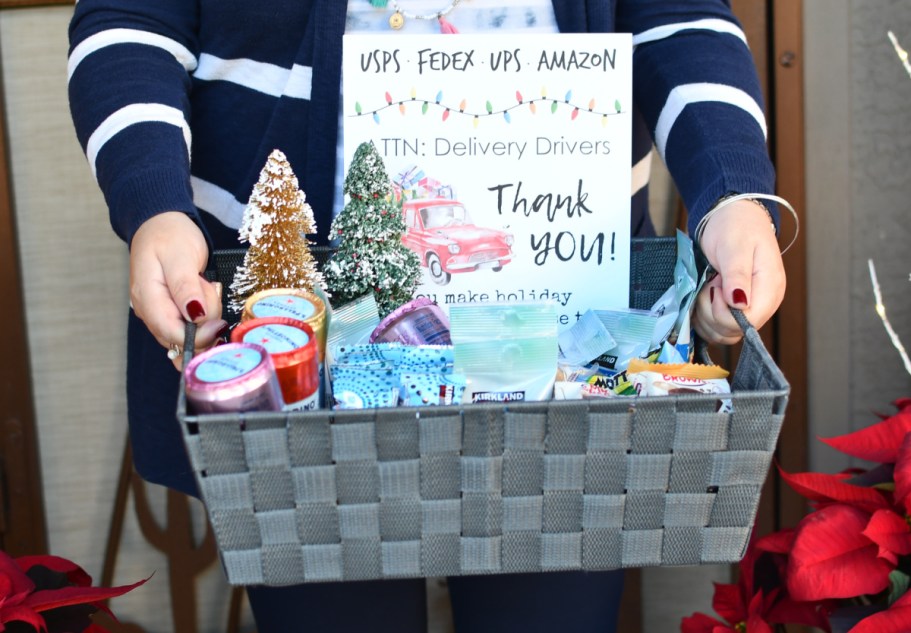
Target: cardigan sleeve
696,85
129,71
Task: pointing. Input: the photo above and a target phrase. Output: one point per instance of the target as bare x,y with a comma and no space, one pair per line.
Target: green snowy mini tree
371,256
276,222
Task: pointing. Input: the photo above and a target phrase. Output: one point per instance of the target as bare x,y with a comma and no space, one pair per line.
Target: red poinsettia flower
743,607
851,543
855,544
33,588
787,610
832,558
902,476
746,619
877,443
823,489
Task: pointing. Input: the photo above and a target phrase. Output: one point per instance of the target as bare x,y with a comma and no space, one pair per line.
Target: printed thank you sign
511,157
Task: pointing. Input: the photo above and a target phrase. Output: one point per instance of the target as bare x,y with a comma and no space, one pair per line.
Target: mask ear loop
754,197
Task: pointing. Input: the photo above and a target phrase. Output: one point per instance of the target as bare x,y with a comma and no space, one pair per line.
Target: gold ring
174,351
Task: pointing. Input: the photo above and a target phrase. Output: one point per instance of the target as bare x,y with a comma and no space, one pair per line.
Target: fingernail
740,296
712,294
195,310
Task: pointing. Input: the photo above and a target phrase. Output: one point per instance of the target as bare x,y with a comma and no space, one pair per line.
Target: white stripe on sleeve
260,76
300,82
113,37
708,24
131,115
684,95
217,201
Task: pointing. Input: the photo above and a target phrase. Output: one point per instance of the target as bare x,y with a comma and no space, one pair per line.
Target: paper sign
511,157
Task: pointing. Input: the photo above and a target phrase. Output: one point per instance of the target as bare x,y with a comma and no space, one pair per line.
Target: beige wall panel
881,202
75,278
858,208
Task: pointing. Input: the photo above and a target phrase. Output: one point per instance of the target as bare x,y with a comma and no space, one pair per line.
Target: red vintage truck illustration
443,235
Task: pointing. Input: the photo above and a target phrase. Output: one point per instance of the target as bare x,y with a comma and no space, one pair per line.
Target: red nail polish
712,294
740,296
195,310
223,332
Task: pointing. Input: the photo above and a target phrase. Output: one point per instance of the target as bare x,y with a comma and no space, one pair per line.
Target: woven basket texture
491,488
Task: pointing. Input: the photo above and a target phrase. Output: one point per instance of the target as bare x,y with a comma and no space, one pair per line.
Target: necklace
399,15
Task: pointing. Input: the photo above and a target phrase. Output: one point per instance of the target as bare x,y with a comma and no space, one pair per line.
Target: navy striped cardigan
152,84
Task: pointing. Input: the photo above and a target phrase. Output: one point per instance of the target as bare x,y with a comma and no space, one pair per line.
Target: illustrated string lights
575,108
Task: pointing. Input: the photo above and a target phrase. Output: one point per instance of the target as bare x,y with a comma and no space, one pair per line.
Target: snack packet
651,379
506,351
617,383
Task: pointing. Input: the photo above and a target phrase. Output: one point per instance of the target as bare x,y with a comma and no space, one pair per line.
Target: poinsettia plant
846,566
50,594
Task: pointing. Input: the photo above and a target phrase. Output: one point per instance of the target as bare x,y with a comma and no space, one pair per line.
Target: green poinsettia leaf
899,582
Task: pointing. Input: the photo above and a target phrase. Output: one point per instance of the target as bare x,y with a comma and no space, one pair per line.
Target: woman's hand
740,243
167,255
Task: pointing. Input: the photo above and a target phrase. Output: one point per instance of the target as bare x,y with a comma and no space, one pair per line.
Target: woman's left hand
739,242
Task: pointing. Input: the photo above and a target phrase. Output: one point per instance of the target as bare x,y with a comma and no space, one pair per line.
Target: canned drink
293,303
292,345
233,377
418,322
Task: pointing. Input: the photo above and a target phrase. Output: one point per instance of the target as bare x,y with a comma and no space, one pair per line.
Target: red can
294,350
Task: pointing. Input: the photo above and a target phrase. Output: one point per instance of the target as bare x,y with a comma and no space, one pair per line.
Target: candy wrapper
634,332
392,374
431,389
676,305
585,341
356,395
616,382
673,379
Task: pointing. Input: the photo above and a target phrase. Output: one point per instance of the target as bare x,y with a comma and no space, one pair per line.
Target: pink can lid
404,310
228,366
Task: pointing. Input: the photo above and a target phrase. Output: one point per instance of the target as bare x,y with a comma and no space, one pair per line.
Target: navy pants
569,602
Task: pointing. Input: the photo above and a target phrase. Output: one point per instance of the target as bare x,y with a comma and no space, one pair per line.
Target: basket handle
702,347
189,342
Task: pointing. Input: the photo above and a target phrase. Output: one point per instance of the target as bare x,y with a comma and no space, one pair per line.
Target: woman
152,84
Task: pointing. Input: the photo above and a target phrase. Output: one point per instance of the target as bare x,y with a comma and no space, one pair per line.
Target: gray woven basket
484,489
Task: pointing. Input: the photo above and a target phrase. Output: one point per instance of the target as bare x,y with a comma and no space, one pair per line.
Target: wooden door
774,29
22,525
